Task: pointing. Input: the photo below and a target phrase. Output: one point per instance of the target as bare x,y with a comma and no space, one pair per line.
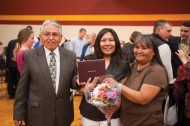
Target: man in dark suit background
38,102
13,73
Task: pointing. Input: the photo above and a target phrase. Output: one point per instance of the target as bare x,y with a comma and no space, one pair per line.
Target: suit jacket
176,62
9,54
36,101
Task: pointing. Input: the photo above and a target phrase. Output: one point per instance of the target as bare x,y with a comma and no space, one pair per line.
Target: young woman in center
107,46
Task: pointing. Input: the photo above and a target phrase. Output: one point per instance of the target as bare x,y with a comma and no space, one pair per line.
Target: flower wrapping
104,95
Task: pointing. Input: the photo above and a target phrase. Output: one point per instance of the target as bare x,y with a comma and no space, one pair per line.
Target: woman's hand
90,85
110,110
112,81
80,83
183,57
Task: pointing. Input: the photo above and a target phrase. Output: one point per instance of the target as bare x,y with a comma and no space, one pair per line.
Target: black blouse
118,71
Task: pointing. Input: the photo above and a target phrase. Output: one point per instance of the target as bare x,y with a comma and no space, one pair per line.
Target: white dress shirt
165,55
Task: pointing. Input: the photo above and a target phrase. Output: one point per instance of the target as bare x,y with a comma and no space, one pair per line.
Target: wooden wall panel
69,7
92,7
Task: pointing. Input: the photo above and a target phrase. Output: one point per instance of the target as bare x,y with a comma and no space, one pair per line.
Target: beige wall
9,32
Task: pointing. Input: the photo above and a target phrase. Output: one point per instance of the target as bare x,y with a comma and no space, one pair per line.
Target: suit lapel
42,62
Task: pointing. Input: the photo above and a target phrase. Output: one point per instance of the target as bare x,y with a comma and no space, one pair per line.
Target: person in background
144,90
43,96
37,44
1,48
107,46
12,70
77,43
66,43
1,60
181,91
122,43
25,42
162,31
128,47
179,42
184,35
36,39
89,47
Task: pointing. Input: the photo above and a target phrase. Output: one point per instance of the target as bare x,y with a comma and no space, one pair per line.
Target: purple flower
112,94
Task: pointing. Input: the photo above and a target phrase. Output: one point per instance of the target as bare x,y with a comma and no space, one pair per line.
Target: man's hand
19,123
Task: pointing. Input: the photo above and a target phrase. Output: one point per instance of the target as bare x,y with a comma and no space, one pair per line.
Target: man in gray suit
40,100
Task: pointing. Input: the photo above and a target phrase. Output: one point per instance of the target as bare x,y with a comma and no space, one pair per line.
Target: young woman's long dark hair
98,54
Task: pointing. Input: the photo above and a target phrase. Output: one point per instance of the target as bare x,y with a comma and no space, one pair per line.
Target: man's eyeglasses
54,35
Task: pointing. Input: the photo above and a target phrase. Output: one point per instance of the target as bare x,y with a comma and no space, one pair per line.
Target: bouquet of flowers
104,95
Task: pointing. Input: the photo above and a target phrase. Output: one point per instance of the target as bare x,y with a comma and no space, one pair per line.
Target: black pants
13,78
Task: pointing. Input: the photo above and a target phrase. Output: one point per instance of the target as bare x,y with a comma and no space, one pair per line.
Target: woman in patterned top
182,89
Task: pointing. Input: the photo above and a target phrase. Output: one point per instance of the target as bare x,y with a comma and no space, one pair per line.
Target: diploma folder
91,68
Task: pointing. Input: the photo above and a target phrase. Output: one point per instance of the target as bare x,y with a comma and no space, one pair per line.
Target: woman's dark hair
134,35
98,54
150,42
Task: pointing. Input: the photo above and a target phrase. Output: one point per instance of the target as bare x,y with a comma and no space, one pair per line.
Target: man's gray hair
55,22
160,24
93,34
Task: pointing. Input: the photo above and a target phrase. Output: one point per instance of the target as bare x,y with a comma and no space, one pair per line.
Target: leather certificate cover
91,68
